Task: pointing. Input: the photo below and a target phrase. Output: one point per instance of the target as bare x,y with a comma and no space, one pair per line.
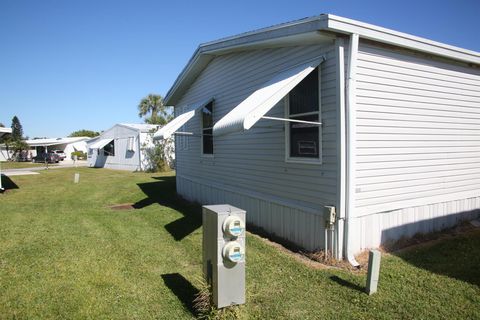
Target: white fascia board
253,108
384,35
260,36
170,128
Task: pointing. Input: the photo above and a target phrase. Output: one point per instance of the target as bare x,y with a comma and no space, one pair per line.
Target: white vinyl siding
125,158
418,130
253,161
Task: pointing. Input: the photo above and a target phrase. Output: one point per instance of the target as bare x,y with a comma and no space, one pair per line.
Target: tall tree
152,109
84,133
2,125
17,129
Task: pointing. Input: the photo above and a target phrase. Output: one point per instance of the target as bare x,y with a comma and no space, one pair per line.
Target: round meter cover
233,251
233,226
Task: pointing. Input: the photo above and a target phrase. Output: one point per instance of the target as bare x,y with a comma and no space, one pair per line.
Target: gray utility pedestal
224,253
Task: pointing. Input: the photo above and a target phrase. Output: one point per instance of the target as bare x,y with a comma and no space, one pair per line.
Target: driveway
32,170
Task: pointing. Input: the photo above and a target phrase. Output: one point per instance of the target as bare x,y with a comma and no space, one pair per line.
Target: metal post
373,271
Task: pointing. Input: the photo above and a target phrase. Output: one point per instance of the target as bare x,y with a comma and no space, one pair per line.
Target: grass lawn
19,165
65,254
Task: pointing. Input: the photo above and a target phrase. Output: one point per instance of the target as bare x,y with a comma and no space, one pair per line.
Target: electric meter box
224,253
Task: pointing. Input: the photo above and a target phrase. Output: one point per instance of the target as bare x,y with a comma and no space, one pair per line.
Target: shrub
159,158
80,155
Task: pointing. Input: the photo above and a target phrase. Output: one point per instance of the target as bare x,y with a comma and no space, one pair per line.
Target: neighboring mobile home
331,112
124,147
67,145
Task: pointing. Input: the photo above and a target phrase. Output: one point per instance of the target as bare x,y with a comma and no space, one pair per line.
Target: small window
207,129
303,103
131,144
109,149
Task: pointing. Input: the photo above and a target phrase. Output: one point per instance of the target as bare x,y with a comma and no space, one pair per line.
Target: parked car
60,154
46,157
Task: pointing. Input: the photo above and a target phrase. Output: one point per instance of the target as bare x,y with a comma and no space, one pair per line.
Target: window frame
106,153
131,144
305,160
202,129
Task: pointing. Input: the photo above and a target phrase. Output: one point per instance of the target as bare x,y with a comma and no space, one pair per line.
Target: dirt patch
321,260
329,261
316,260
300,257
123,206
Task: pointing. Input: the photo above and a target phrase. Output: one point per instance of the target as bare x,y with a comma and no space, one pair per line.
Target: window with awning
256,106
303,103
173,126
207,127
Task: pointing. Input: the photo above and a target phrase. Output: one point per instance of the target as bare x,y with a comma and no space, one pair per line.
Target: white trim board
375,209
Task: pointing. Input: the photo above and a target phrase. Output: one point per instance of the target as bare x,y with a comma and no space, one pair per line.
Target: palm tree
153,105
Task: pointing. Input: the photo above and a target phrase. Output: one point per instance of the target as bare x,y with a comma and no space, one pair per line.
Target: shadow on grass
454,251
163,192
347,284
182,288
7,183
457,257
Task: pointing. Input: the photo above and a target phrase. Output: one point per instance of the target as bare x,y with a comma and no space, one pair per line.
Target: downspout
350,119
340,229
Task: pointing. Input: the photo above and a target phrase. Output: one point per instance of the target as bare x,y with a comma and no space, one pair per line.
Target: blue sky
70,65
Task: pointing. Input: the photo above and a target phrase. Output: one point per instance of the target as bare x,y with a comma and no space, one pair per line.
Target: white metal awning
100,144
4,131
253,108
170,128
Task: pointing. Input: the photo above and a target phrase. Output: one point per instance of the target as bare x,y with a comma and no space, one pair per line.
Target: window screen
304,104
207,129
109,149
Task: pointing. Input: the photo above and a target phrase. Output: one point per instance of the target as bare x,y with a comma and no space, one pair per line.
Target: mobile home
124,147
330,114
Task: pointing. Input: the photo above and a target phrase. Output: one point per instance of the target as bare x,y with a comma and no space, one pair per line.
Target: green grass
65,254
20,165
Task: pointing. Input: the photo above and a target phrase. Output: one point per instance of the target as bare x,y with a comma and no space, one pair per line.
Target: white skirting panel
304,228
376,229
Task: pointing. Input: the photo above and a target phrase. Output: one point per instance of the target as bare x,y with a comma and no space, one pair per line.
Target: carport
67,145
